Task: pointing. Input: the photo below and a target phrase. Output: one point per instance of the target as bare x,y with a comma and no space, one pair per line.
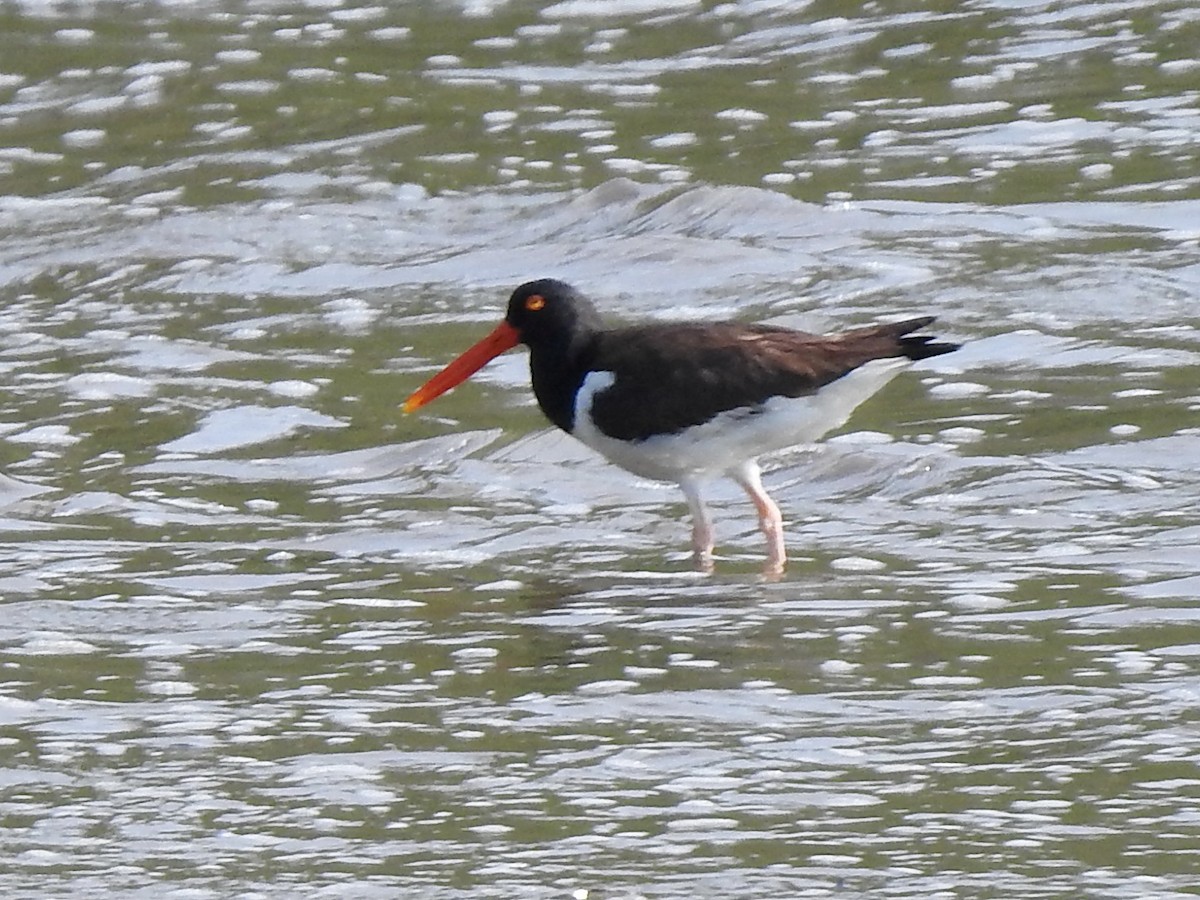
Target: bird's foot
772,529
773,568
702,542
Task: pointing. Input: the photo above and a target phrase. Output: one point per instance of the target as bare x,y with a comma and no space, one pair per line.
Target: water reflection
262,635
1028,103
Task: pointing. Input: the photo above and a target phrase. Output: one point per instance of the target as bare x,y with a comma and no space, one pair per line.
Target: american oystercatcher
687,401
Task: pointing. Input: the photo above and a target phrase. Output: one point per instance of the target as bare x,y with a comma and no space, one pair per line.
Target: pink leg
769,519
702,531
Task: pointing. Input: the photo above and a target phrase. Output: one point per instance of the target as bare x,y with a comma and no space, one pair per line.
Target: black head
550,313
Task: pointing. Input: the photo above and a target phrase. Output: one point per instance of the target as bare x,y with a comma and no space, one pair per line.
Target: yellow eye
534,302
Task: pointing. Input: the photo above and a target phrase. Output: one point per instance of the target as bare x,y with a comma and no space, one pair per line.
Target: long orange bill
503,337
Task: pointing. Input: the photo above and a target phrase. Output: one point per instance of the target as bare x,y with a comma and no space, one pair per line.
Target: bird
687,402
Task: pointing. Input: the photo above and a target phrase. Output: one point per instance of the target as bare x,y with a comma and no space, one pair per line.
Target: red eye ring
534,302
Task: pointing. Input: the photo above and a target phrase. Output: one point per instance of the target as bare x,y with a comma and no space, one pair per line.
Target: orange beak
503,337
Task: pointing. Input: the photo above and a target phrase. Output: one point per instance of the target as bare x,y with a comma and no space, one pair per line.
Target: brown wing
670,377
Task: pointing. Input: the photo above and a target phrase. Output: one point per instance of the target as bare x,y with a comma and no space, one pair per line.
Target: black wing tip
925,351
908,325
922,346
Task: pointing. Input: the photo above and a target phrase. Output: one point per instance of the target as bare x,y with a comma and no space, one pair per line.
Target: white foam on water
226,429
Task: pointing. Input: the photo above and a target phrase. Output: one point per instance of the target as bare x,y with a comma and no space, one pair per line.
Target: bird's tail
920,346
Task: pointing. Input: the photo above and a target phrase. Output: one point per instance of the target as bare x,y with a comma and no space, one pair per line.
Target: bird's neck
557,372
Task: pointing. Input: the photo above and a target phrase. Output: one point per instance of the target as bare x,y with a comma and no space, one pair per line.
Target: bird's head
549,311
546,313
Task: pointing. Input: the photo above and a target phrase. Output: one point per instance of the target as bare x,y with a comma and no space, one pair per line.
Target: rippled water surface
262,636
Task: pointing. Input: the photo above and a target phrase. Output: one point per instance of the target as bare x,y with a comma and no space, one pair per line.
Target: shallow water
263,636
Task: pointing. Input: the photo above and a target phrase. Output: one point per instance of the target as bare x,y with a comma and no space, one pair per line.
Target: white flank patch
731,438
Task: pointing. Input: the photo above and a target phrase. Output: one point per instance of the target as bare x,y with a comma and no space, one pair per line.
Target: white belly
732,438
